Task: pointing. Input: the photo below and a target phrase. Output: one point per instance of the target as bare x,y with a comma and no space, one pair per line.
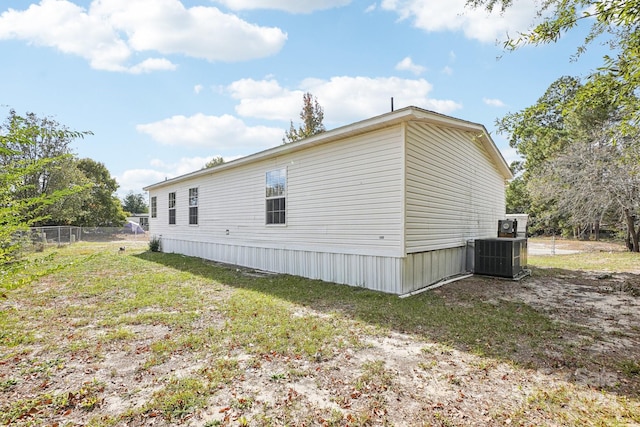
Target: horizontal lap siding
342,197
454,191
225,203
348,195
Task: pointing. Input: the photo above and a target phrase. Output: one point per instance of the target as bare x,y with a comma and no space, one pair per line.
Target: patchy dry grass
93,336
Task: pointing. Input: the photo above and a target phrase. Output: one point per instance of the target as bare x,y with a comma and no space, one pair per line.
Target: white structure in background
388,203
142,219
523,220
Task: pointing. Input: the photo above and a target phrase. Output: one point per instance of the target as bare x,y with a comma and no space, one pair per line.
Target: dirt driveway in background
551,246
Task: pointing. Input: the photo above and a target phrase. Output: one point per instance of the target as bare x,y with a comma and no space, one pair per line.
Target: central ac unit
502,257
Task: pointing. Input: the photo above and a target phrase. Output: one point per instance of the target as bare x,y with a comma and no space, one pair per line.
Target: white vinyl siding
342,197
454,191
388,203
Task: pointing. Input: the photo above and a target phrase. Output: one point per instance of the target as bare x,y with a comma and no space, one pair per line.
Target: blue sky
166,85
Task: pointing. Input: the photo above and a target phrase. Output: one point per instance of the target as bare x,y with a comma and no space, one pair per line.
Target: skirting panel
425,268
385,274
372,272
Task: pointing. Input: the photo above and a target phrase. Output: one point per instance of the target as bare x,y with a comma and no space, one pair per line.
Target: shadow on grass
508,331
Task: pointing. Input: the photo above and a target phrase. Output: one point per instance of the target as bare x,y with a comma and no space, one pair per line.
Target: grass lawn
93,336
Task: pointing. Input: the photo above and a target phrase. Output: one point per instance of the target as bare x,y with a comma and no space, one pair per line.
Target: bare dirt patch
391,377
605,307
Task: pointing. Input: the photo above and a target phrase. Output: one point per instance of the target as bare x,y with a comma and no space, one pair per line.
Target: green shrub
155,245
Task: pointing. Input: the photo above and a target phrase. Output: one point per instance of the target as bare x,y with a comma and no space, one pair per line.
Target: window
276,189
172,208
154,207
193,206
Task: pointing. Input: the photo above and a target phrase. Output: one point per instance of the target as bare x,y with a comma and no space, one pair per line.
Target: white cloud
182,166
110,32
220,133
371,8
152,64
135,179
447,70
197,89
493,102
452,15
265,99
293,6
344,99
255,88
407,64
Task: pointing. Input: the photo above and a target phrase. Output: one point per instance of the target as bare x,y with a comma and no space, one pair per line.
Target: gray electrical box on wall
502,257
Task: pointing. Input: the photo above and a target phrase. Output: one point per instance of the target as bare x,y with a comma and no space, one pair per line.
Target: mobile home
388,203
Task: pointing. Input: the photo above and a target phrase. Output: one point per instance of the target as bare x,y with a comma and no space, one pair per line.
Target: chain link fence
40,237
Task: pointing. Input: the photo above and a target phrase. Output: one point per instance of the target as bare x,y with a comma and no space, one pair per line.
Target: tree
517,196
595,115
24,172
580,168
39,138
312,116
43,142
607,107
69,210
101,207
135,203
619,20
214,162
538,133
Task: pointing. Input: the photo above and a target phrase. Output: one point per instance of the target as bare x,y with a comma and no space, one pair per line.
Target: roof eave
378,122
384,120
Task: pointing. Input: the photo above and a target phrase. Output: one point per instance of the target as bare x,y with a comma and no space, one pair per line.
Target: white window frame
276,192
154,207
193,204
172,208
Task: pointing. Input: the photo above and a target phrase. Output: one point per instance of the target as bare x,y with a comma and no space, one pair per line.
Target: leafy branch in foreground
615,23
24,172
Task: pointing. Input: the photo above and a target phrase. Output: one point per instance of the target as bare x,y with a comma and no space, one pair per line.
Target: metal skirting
372,272
386,274
425,268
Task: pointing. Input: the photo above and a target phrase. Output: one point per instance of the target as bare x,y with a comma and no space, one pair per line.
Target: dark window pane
193,216
275,211
154,207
